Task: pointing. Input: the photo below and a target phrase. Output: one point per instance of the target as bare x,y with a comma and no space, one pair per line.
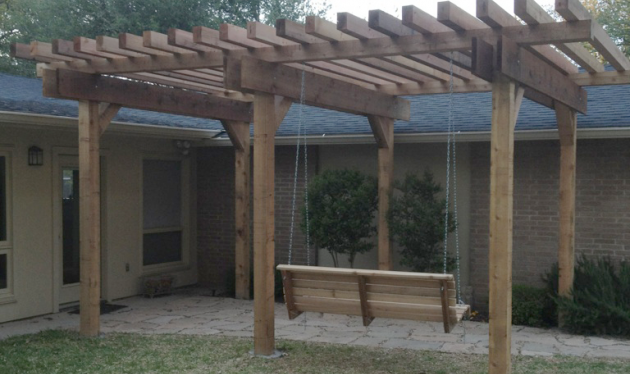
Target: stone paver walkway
191,311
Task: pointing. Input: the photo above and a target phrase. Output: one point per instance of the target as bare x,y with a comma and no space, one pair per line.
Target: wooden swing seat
371,294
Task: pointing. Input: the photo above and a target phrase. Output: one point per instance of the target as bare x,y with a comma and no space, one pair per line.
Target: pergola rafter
235,75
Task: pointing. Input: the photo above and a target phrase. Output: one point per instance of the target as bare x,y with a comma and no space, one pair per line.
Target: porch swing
373,294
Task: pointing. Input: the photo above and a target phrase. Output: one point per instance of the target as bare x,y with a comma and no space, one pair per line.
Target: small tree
341,211
416,223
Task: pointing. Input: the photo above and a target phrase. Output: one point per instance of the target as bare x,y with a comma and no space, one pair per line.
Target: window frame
185,225
6,246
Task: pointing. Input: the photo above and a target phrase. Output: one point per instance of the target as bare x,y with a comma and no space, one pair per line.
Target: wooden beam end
483,59
281,25
232,74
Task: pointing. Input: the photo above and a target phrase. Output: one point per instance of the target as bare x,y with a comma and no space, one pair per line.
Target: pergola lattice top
368,63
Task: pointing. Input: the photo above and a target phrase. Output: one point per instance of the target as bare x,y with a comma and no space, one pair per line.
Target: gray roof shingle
21,94
608,107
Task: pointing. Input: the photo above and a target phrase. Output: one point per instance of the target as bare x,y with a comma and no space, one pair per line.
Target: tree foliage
341,212
416,222
614,15
27,20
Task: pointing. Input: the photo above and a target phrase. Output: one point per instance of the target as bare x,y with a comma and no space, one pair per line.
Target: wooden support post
363,298
446,315
106,113
567,126
287,283
385,177
506,99
239,134
267,118
383,129
90,206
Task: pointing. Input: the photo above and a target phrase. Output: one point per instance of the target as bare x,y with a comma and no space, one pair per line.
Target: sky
360,8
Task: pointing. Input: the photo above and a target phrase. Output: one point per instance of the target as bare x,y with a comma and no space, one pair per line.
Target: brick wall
216,212
602,207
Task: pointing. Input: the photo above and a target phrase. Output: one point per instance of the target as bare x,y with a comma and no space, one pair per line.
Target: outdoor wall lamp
35,156
183,146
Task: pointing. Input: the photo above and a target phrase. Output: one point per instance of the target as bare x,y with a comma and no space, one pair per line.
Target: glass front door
70,225
69,259
67,228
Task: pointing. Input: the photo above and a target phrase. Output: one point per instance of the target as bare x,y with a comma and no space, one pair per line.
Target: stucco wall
34,236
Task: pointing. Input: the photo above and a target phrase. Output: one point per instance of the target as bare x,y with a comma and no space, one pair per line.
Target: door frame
58,154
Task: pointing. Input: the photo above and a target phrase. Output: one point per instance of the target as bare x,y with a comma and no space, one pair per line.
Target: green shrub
551,295
529,306
600,299
341,207
416,222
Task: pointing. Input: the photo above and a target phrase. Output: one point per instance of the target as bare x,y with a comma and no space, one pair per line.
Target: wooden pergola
248,75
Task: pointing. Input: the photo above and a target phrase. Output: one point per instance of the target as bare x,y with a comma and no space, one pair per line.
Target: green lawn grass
65,352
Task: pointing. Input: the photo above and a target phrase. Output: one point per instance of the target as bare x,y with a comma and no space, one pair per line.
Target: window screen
162,212
162,190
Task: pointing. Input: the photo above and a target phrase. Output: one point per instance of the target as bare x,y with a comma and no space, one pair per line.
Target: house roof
607,108
24,95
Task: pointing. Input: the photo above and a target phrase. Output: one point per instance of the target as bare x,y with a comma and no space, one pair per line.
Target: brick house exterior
603,181
603,185
602,223
602,218
216,213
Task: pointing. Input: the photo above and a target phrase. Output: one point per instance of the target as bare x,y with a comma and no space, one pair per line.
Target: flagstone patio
194,311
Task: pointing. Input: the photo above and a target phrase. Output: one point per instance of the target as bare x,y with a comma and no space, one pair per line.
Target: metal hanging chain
295,174
453,139
452,147
306,212
452,150
308,237
448,165
455,216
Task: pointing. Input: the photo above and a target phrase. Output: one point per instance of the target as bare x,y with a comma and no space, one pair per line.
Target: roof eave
43,121
477,136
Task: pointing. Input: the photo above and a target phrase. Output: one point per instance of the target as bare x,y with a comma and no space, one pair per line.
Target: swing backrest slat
372,293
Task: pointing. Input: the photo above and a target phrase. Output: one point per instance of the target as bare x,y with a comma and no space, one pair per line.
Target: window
162,212
5,242
3,200
4,271
70,225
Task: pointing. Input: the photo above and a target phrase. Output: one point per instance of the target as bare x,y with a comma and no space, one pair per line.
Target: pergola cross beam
276,79
533,14
496,17
376,47
574,11
73,85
